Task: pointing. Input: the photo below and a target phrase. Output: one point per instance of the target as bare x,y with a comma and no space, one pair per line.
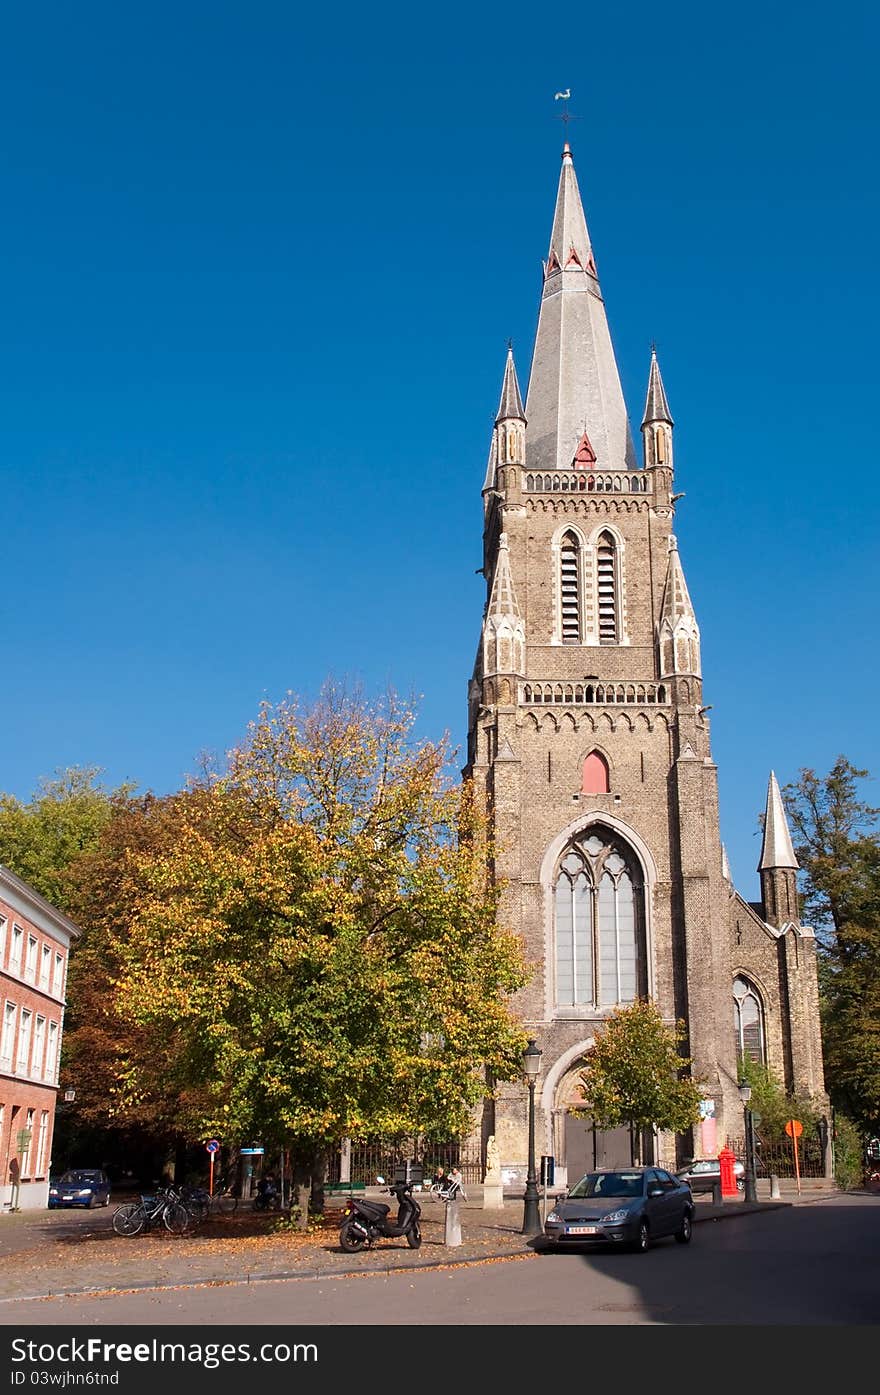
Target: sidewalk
52,1254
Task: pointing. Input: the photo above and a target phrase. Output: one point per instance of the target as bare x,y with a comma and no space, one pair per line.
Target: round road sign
794,1128
212,1145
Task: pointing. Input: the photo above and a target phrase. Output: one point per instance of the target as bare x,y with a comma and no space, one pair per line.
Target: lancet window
607,586
748,1020
599,923
570,589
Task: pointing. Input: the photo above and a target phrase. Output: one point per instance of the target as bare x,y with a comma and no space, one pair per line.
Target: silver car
626,1206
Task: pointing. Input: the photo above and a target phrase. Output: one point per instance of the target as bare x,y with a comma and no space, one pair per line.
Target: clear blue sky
259,267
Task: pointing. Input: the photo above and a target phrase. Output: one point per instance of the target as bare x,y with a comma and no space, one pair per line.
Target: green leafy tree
774,1103
838,847
636,1074
41,840
315,951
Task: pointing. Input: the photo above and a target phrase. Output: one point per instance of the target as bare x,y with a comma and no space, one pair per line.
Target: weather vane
566,114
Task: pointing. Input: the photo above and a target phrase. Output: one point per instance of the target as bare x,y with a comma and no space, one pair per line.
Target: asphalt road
813,1264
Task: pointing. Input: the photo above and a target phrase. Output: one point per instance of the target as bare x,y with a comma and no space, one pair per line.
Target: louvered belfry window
569,586
607,586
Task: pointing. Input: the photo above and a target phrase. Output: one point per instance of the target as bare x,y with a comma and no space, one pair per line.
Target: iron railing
372,1157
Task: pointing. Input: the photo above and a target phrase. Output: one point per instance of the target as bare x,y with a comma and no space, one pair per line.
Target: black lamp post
531,1214
745,1094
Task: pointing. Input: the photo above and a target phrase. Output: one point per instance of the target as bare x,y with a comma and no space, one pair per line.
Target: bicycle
222,1203
164,1207
447,1189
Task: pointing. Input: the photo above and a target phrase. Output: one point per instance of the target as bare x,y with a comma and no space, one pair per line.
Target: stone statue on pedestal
493,1187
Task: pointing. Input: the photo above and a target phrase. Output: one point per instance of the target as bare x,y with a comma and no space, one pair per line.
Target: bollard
774,1187
717,1198
452,1235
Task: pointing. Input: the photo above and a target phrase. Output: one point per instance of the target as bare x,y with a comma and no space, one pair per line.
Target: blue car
81,1186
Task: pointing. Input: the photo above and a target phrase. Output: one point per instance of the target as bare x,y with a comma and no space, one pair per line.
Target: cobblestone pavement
57,1253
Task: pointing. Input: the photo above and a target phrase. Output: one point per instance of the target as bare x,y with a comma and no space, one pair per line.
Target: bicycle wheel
129,1219
176,1217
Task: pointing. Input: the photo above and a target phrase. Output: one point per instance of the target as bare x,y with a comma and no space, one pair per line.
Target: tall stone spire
777,850
574,385
509,435
778,865
678,633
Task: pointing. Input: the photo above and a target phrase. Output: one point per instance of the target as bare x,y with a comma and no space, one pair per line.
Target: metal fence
778,1158
372,1157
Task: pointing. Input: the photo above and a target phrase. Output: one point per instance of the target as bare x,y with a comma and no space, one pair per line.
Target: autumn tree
315,952
636,1076
838,847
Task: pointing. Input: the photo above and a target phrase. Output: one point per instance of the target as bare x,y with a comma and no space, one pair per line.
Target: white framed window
10,1012
51,1071
58,976
2,939
39,1047
30,963
45,965
22,1055
16,949
42,1139
27,1141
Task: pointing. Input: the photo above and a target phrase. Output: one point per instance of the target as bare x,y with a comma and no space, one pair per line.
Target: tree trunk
309,1174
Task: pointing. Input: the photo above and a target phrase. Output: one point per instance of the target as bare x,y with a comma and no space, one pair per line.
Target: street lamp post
531,1214
745,1094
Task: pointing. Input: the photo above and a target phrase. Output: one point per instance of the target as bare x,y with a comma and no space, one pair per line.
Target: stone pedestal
453,1224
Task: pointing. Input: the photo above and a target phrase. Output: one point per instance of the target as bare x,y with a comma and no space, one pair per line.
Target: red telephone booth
726,1159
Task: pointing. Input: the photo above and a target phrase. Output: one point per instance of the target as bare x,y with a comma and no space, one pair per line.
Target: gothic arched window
599,923
595,774
569,589
748,1020
606,583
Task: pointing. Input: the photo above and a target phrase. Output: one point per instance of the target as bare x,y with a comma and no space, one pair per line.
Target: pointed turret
508,446
657,422
778,865
510,408
678,634
504,636
574,385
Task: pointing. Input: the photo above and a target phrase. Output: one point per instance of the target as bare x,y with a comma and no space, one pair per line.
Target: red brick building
34,944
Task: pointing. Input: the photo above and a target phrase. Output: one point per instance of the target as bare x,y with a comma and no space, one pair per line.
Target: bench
343,1188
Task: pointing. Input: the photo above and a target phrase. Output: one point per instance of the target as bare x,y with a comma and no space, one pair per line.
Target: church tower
589,737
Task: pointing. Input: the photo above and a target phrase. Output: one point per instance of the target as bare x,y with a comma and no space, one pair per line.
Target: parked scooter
368,1221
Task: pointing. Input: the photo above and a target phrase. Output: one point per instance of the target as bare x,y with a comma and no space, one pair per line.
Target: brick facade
590,645
34,945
